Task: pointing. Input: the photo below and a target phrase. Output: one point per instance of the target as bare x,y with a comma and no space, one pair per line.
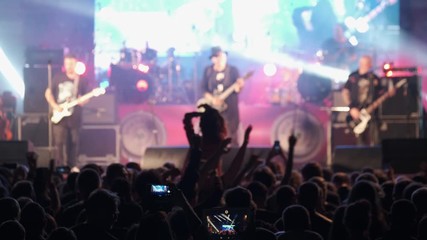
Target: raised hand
292,140
247,133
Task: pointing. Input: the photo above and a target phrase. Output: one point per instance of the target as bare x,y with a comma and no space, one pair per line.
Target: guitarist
217,78
66,86
362,88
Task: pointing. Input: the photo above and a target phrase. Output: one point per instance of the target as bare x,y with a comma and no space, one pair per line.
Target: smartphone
160,190
63,170
277,146
227,223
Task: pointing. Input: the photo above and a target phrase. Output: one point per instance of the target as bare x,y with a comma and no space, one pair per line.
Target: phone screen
276,146
226,223
160,190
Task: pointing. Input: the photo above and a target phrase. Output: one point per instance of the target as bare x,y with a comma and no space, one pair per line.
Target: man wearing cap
217,78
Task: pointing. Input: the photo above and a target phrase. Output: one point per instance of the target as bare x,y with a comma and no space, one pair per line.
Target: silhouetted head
143,181
133,165
9,209
12,230
102,208
259,193
364,190
88,180
154,226
23,201
399,188
122,187
62,234
94,167
367,176
312,169
285,196
357,216
419,198
403,216
296,218
179,224
411,188
114,171
33,219
340,179
265,176
327,174
422,228
238,197
23,189
309,195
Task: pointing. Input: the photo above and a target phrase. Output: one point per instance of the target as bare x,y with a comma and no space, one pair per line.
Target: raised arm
235,167
290,162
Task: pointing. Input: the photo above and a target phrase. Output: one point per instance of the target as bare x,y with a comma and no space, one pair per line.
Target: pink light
143,68
142,85
80,68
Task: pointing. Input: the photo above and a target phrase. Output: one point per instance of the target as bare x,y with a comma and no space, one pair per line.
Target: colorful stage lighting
142,85
80,68
143,68
389,73
270,69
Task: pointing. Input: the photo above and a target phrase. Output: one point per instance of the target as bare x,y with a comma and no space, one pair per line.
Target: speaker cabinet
14,152
100,110
155,157
406,101
355,158
36,82
34,127
405,155
400,129
99,144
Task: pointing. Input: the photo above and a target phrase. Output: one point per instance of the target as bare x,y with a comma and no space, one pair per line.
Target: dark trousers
370,137
66,143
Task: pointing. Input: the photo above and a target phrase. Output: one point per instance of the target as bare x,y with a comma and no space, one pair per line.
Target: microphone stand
49,85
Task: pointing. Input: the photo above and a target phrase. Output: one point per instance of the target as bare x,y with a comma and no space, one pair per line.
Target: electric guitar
224,95
57,116
360,125
5,131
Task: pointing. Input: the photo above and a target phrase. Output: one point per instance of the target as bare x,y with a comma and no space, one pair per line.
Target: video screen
227,223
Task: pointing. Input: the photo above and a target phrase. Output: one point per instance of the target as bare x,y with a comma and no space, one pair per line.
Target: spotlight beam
11,75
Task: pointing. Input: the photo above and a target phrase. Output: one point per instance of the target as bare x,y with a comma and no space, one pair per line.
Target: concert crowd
257,199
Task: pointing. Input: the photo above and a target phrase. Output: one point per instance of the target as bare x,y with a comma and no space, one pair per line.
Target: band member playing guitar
66,87
218,78
362,91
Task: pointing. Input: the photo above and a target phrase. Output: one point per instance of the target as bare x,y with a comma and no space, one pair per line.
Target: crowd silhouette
261,199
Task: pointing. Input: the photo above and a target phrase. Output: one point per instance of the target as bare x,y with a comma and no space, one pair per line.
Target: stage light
104,84
362,25
143,68
389,73
270,69
80,68
353,41
142,85
11,75
387,66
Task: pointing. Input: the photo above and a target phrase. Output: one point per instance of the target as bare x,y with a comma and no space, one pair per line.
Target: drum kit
165,79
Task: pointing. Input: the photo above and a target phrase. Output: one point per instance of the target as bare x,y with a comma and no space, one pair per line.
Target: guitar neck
227,92
83,98
377,103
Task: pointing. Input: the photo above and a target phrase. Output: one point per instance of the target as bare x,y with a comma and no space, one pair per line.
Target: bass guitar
57,116
360,125
223,96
